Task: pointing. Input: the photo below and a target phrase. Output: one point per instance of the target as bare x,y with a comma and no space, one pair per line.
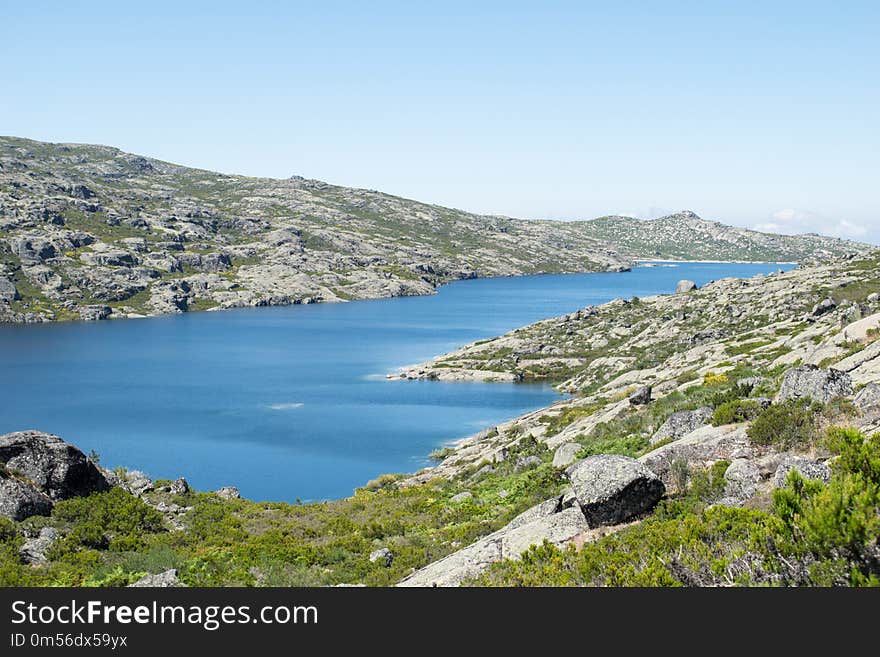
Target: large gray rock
685,286
741,480
34,549
566,454
54,466
806,467
166,579
682,423
611,488
640,396
813,382
19,500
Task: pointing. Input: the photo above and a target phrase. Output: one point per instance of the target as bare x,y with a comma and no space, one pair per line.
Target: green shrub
115,520
707,485
738,410
785,425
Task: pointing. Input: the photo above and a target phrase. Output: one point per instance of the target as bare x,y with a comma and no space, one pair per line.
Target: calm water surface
291,402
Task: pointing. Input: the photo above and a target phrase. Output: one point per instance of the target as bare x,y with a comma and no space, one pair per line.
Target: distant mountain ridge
93,232
684,235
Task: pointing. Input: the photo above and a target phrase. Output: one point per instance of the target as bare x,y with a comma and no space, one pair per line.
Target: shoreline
435,289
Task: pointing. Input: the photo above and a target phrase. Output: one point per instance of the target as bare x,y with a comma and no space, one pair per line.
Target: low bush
738,410
786,425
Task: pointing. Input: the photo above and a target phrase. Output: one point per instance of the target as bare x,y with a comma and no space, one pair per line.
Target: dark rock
812,382
682,423
611,488
641,395
55,467
824,306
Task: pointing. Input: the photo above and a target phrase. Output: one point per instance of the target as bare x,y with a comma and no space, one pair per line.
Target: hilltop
91,232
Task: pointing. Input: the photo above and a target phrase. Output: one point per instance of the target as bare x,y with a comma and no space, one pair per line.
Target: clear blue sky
753,113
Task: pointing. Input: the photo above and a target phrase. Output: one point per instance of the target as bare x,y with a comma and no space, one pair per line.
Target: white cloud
791,221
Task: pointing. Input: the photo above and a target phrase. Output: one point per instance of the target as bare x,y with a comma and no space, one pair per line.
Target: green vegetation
738,410
814,534
112,538
785,425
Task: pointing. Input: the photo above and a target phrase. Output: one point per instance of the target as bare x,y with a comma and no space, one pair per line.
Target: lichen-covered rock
19,500
566,454
741,480
806,467
813,382
34,549
682,423
611,488
54,466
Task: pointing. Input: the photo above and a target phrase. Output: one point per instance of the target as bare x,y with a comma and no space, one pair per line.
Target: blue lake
292,402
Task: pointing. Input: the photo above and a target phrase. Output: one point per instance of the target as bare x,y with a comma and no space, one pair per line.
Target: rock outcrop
38,469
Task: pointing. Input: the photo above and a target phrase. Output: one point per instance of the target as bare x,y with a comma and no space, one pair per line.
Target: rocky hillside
718,436
91,232
686,236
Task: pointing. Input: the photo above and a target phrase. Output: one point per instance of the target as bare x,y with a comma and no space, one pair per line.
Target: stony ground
91,232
